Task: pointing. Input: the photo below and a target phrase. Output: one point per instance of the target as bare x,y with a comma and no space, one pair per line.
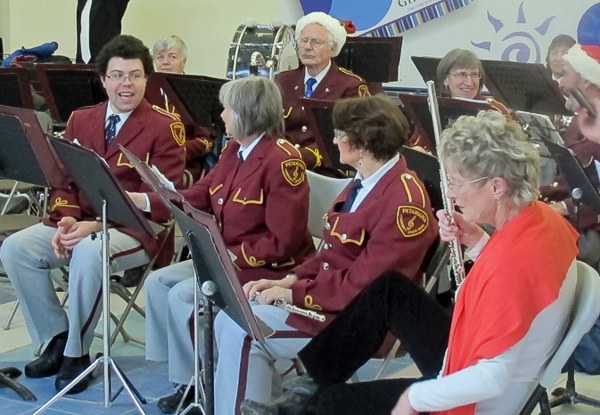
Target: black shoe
69,370
50,360
132,277
294,400
169,404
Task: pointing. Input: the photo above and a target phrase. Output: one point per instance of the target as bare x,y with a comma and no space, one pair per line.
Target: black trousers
392,303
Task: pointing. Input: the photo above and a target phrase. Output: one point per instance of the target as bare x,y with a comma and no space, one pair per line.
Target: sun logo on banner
520,45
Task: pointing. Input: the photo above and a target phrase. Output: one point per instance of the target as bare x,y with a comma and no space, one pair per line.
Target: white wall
208,26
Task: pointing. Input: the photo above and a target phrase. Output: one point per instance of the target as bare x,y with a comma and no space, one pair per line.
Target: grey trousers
28,258
169,305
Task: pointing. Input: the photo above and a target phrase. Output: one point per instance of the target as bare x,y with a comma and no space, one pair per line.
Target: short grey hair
256,106
337,32
491,145
172,41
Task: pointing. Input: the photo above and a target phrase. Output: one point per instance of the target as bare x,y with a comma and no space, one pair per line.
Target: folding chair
323,192
586,309
130,297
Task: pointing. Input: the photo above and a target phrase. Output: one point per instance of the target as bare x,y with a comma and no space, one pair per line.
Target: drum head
262,50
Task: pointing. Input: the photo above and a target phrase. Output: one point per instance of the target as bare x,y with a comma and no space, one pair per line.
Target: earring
360,158
496,198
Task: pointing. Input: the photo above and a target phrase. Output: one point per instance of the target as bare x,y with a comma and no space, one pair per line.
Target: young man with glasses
66,237
319,38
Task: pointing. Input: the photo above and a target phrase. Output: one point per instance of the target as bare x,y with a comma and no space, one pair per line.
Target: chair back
586,309
323,191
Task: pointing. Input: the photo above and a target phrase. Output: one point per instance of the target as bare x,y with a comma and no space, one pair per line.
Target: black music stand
320,119
215,275
195,98
583,192
25,156
427,67
374,58
524,86
450,109
110,202
68,87
14,84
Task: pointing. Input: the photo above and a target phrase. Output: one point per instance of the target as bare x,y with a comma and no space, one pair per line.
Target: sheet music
154,178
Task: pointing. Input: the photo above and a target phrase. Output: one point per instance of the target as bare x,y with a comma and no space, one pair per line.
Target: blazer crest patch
293,171
178,132
412,221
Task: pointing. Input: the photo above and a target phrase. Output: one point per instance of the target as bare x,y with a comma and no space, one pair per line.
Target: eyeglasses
119,77
313,42
339,134
464,75
455,187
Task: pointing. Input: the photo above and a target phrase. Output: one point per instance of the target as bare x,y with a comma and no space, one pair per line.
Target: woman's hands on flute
270,290
468,233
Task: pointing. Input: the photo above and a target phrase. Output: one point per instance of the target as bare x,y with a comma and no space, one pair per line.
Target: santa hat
333,26
585,60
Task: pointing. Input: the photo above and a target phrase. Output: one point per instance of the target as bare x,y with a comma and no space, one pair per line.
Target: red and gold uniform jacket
586,152
392,229
198,141
337,83
261,205
146,133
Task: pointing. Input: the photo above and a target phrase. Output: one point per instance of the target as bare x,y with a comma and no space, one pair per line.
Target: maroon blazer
586,152
147,133
261,205
391,229
337,83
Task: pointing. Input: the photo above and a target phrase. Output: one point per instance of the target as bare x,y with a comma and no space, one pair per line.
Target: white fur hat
585,59
333,26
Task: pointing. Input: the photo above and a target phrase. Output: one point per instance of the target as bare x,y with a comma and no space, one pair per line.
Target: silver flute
456,257
283,304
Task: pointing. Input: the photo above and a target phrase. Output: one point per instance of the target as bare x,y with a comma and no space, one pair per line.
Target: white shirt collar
319,77
245,151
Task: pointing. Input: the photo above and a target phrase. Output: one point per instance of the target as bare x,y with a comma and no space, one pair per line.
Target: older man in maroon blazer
319,38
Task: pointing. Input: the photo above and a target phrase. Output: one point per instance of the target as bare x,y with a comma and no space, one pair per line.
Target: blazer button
304,128
220,201
327,225
325,246
274,264
281,141
325,266
344,236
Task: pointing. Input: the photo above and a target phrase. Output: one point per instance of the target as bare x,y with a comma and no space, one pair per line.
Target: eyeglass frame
120,77
455,187
463,75
315,43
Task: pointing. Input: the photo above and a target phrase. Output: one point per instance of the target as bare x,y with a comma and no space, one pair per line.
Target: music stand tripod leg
208,407
106,360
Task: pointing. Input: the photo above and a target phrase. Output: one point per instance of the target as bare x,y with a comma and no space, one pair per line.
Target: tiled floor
150,378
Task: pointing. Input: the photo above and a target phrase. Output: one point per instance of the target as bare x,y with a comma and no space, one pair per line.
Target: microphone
209,288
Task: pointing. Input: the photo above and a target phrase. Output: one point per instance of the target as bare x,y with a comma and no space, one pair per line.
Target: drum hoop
278,40
237,49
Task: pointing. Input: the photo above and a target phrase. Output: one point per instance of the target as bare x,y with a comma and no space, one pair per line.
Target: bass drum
262,50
